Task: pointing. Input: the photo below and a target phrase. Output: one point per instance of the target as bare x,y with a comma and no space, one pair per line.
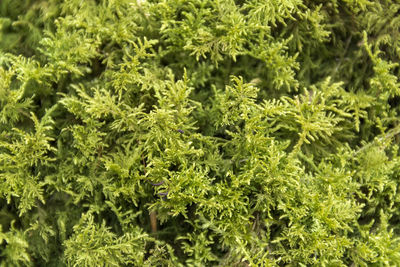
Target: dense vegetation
254,133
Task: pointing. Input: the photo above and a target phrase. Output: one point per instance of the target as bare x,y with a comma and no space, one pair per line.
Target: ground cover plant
199,133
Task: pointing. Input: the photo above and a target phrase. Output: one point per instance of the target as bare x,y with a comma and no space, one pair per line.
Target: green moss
259,133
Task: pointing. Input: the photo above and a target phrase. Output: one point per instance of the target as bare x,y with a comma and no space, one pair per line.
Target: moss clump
199,133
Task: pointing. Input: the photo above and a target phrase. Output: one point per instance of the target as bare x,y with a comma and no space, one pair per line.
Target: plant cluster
199,133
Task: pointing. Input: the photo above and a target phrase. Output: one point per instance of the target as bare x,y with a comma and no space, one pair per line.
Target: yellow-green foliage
257,133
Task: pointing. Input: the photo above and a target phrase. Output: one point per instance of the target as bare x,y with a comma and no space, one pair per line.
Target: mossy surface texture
199,133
